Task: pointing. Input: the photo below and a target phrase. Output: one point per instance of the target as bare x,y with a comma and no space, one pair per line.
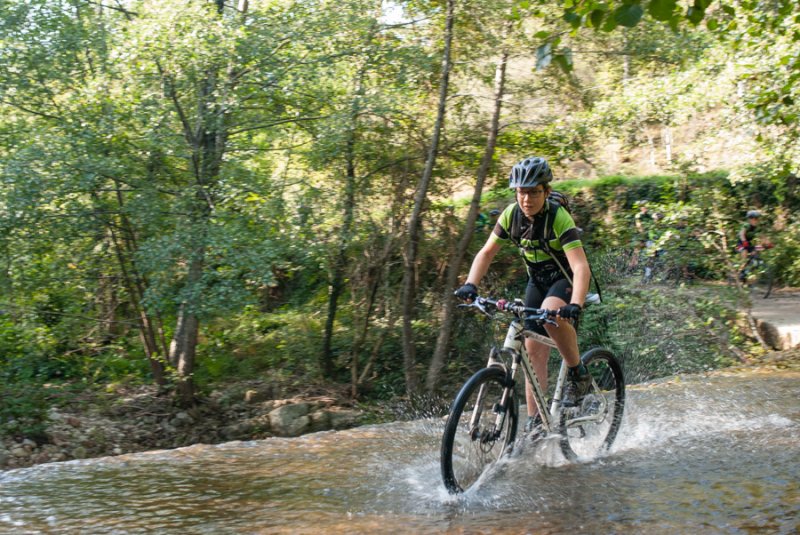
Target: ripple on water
717,452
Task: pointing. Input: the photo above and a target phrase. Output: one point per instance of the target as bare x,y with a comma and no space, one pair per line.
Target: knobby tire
758,277
467,452
587,440
763,284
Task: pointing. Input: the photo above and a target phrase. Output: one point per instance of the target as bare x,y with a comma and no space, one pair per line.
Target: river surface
696,454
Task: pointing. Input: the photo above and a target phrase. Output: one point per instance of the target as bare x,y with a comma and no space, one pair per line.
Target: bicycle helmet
530,172
753,213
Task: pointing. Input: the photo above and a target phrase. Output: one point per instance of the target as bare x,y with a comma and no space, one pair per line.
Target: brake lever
477,304
543,318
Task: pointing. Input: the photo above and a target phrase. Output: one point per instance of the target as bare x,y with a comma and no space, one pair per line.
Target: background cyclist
746,238
548,285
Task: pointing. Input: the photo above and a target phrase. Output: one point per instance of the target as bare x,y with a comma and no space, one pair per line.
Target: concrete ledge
778,320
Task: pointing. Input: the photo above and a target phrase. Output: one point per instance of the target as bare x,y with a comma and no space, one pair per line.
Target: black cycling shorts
536,293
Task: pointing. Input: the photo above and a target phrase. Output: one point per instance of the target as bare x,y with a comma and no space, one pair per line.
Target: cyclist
552,284
747,233
485,221
745,239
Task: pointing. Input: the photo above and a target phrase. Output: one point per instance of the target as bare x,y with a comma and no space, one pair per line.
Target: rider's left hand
571,311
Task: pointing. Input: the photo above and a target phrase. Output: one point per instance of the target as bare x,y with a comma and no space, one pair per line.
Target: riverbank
137,419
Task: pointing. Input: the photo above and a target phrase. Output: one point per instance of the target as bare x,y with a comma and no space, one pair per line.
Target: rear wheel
590,429
761,279
479,429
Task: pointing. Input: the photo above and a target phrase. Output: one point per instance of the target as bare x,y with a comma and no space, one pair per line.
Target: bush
24,410
786,255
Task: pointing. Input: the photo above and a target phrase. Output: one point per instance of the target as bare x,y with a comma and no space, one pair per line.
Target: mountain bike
482,424
757,273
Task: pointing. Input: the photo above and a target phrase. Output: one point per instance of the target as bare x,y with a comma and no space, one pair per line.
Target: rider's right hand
468,292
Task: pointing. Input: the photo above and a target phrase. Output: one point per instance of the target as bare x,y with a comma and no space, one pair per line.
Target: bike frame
515,345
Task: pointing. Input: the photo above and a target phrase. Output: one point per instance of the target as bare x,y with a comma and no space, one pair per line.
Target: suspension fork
512,345
501,408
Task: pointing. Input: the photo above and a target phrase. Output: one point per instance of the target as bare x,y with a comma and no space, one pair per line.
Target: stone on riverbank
147,421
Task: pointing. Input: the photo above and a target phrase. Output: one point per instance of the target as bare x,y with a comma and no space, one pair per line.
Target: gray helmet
753,213
530,172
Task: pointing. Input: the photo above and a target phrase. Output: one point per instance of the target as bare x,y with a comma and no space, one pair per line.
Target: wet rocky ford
705,453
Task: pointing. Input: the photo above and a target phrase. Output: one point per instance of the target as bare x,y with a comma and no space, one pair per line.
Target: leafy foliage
271,148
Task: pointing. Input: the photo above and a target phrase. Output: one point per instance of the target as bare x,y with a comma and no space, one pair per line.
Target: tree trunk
374,280
123,241
208,146
454,263
380,273
626,59
182,352
415,222
340,263
390,318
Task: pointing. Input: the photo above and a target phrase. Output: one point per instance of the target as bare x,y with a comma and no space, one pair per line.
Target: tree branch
28,110
275,123
118,7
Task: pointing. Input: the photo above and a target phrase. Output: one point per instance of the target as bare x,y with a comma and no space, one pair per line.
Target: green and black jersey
559,227
748,231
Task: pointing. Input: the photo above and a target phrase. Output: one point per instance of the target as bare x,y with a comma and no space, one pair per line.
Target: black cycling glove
571,311
468,292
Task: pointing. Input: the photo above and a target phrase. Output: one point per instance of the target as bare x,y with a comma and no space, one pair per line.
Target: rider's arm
482,261
581,274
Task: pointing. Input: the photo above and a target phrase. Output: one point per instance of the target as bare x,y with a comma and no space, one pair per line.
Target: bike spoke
478,430
591,428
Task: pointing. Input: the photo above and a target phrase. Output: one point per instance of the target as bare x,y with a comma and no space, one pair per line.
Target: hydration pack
543,232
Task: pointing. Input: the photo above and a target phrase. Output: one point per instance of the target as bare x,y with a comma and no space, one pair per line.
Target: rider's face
531,200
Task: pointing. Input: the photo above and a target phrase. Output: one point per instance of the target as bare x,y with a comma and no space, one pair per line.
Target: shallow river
717,454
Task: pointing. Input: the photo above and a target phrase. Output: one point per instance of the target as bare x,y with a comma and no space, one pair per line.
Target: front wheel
757,276
590,429
480,428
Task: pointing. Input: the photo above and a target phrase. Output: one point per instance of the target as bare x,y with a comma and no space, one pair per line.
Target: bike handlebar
516,307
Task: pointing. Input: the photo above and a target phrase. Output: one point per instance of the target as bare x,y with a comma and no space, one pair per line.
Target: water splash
715,451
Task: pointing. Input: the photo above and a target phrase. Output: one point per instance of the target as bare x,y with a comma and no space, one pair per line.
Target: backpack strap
547,234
